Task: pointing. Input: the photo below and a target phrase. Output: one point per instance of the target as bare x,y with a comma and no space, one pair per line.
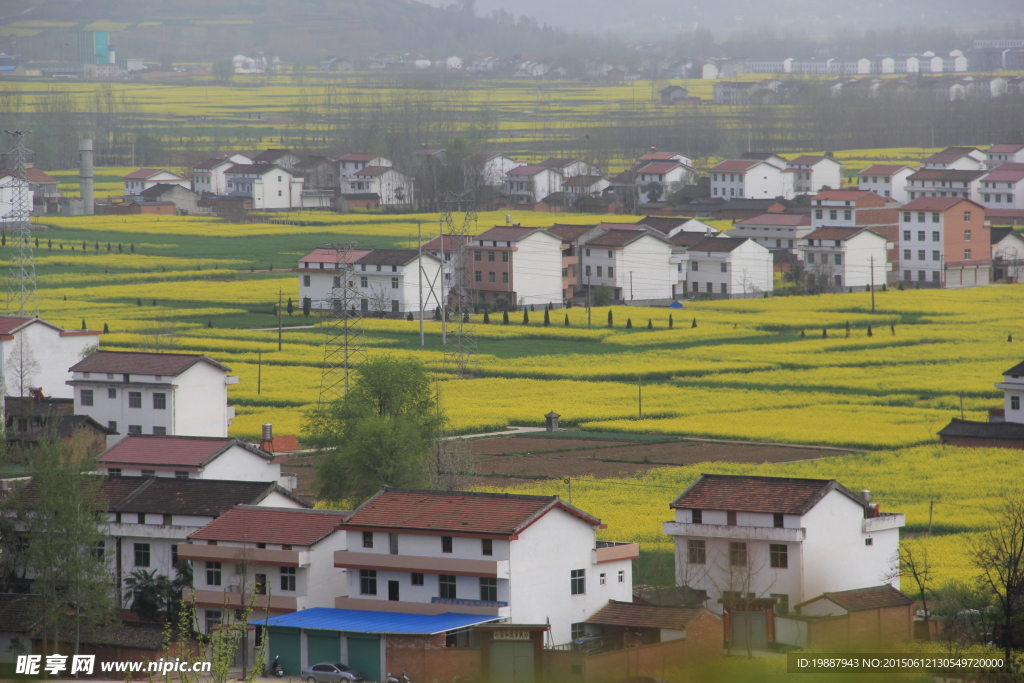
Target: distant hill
295,30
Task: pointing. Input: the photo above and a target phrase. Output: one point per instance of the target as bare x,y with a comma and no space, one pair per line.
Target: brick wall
425,658
867,629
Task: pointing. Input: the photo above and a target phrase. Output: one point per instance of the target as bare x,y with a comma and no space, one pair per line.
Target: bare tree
999,554
453,467
379,299
741,577
21,367
914,565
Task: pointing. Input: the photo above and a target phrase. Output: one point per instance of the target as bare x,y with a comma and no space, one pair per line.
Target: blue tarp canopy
675,304
366,621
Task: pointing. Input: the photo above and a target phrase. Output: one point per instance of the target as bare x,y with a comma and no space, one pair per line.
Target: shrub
629,323
106,328
409,317
567,320
694,324
547,317
526,317
487,318
611,321
650,324
504,317
670,321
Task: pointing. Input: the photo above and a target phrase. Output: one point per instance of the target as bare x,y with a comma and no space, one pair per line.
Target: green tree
487,318
148,592
504,317
379,434
223,70
602,295
547,318
307,306
290,308
526,317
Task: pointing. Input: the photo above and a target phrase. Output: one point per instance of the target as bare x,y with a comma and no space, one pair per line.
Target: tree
547,318
602,295
380,433
653,191
148,592
223,70
914,565
290,308
567,320
22,367
487,318
999,555
526,317
504,317
670,321
629,323
307,306
611,320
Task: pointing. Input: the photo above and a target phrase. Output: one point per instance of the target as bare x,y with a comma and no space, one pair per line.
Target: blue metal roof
366,621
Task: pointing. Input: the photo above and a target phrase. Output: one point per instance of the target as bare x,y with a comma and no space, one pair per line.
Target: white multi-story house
997,155
210,175
277,559
1007,254
774,230
654,156
759,545
663,175
956,159
389,281
487,169
192,457
9,187
269,186
944,183
568,168
815,173
838,258
145,178
1012,387
586,185
153,393
945,242
37,354
635,263
1002,188
357,161
527,559
519,264
393,187
751,179
530,184
729,268
886,180
321,270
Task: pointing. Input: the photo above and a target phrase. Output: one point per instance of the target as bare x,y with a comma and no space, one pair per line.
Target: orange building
945,242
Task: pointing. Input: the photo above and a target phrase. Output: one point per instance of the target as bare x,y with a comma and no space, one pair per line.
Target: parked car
330,672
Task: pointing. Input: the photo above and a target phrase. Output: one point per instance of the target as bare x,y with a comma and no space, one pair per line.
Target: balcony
347,559
739,533
610,551
243,555
236,600
435,606
884,521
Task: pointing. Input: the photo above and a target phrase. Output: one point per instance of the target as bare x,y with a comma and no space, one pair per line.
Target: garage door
511,662
323,646
284,643
364,654
749,627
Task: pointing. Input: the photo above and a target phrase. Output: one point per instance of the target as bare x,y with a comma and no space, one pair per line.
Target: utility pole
343,324
259,372
588,300
419,270
441,304
631,285
931,508
279,292
872,284
640,396
568,481
22,295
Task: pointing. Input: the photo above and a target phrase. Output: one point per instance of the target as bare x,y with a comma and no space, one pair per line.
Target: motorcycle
275,667
392,679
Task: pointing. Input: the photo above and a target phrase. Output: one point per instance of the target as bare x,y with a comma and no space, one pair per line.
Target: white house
729,268
153,393
519,264
886,180
9,186
956,159
36,354
586,185
1002,188
1007,254
320,271
997,155
278,559
527,559
815,173
530,184
269,186
635,263
751,179
145,178
210,175
944,183
755,542
1012,387
487,169
845,257
348,164
654,156
774,230
946,241
664,175
393,187
570,167
388,281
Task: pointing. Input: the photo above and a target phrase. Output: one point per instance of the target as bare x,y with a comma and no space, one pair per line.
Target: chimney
865,495
85,175
267,440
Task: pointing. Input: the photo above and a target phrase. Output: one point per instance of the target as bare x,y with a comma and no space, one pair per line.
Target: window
490,256
696,551
707,287
838,279
602,579
488,589
920,216
967,235
394,283
1015,403
504,278
478,276
818,214
779,555
260,584
967,216
588,252
578,581
724,267
368,581
833,214
446,584
869,541
134,399
181,474
936,255
111,393
847,215
364,281
417,579
599,271
697,516
730,518
967,254
906,234
782,604
920,275
478,256
906,254
141,554
777,520
737,554
935,236
287,578
490,277
920,235
159,431
113,471
213,619
393,544
611,272
213,573
486,546
87,397
920,255
935,277
839,259
622,576
367,539
810,257
135,429
695,266
725,288
577,630
446,544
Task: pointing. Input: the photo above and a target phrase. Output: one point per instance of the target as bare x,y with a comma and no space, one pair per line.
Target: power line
22,295
345,345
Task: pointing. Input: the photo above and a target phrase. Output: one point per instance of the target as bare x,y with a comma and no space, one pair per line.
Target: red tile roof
327,255
779,219
719,245
808,160
833,233
11,323
450,242
618,613
373,171
389,257
735,165
527,170
687,239
936,204
883,169
568,233
458,512
1007,176
360,156
146,173
617,238
142,363
1004,149
661,169
34,175
860,599
744,493
172,451
506,233
285,526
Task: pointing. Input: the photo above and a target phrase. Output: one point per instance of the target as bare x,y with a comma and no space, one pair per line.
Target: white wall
858,252
201,401
53,355
648,260
537,269
274,190
751,270
894,186
240,464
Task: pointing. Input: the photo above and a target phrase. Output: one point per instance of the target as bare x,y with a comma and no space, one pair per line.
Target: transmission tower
345,347
22,297
460,345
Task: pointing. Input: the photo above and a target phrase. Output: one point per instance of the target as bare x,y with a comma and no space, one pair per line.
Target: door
392,590
284,643
323,646
364,655
512,662
749,627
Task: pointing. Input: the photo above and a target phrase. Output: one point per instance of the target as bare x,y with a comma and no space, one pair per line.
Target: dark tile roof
169,451
936,204
983,430
997,235
744,493
557,162
205,497
883,169
374,171
860,599
141,363
388,257
459,512
112,490
718,244
687,239
617,613
271,155
255,169
160,188
833,233
736,165
778,219
17,611
662,223
944,174
568,233
671,596
617,238
286,526
506,233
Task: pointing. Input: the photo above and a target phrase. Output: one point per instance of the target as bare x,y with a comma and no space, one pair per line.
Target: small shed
863,617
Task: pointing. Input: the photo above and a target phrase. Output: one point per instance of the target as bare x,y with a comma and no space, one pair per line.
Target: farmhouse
35,353
727,268
838,258
634,262
145,178
388,281
518,264
945,242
